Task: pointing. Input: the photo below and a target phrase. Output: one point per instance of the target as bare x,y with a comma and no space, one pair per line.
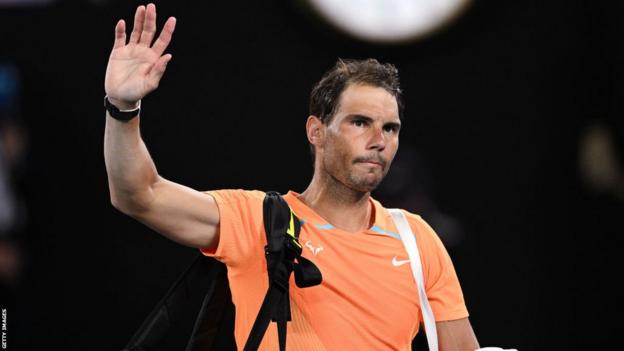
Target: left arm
456,335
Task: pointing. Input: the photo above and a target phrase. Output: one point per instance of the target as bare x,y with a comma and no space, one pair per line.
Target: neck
341,206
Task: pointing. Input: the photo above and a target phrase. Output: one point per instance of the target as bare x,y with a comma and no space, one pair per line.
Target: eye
391,128
359,122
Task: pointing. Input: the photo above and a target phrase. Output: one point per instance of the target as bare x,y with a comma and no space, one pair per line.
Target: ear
315,130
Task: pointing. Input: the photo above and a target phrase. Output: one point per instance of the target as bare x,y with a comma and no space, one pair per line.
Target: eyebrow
356,116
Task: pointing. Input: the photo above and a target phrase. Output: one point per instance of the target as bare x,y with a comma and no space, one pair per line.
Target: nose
377,139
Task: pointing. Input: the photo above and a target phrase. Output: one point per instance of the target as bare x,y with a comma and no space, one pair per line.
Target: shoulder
418,223
228,196
422,229
237,204
241,230
426,236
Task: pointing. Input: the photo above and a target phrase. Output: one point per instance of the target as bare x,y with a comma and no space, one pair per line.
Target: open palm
135,68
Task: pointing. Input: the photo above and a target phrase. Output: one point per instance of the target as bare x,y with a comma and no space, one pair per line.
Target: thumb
158,69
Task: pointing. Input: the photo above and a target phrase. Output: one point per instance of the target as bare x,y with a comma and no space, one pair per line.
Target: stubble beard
347,177
348,174
363,183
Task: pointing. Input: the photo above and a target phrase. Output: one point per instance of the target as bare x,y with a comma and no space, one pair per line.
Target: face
358,145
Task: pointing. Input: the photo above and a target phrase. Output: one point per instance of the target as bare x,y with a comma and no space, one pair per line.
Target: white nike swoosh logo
398,263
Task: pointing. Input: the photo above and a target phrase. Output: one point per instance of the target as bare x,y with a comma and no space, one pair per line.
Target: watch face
389,20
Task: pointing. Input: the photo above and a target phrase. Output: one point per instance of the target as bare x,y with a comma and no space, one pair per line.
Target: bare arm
456,335
134,69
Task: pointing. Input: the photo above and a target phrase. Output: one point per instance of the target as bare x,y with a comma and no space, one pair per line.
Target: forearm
131,170
134,69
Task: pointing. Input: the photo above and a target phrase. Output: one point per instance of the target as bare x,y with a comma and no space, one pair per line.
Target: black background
495,104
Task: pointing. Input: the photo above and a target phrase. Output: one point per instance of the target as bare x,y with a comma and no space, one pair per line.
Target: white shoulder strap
412,250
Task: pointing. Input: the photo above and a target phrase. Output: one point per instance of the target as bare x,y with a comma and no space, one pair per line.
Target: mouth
371,162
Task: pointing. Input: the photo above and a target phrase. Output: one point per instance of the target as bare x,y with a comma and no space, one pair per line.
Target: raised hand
135,68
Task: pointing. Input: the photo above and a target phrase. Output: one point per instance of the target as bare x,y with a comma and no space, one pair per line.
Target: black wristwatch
121,115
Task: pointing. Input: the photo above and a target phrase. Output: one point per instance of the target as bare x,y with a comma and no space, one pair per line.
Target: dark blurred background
512,148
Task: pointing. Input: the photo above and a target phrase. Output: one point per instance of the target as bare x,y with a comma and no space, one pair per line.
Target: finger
120,34
160,45
149,28
157,71
139,19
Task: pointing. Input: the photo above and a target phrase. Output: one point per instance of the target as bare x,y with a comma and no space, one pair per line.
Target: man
368,299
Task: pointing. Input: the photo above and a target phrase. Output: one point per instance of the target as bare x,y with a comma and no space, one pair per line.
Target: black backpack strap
282,229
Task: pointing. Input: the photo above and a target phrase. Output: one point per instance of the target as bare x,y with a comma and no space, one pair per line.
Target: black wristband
118,114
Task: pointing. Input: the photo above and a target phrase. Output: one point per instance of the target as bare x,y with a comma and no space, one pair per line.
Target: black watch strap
121,115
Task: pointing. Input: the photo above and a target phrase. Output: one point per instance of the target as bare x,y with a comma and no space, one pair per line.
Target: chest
358,257
366,279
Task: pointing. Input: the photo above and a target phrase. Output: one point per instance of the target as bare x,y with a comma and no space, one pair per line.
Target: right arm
180,213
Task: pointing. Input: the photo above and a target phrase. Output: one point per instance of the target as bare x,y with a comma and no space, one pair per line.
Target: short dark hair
326,93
